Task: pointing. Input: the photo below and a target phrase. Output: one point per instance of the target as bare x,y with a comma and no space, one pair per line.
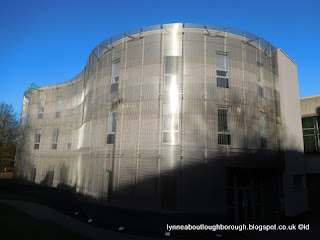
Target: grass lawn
15,224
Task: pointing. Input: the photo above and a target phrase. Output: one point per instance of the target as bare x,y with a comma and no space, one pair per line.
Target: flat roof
316,96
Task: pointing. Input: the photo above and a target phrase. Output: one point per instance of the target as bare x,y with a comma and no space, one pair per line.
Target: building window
55,136
222,70
263,130
112,121
260,73
170,124
224,137
310,127
33,173
222,82
260,91
171,65
115,72
41,109
37,139
70,135
58,108
171,71
170,110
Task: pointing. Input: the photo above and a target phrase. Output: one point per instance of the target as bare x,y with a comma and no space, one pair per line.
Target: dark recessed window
110,138
311,134
222,70
222,82
224,137
222,73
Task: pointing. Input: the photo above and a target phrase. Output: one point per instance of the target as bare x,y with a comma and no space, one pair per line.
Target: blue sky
49,41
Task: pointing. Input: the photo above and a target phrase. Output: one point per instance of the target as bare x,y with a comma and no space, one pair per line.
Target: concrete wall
291,134
310,106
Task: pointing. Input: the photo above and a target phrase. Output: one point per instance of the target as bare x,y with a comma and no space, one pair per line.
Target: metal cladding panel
149,126
134,53
147,182
193,88
147,170
194,125
150,89
129,125
133,87
117,51
127,174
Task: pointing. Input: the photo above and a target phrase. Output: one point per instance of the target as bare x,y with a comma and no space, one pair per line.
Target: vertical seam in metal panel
140,110
124,43
181,94
160,115
113,176
181,117
227,90
243,59
205,97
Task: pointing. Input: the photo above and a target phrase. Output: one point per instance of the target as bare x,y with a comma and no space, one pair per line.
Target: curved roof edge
95,53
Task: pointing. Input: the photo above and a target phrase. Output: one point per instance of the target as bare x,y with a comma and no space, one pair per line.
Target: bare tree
9,128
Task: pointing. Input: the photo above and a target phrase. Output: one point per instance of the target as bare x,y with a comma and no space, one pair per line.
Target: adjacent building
310,111
177,117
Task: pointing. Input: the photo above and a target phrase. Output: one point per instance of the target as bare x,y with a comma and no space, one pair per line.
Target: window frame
114,84
55,138
112,123
315,134
58,106
37,139
41,109
176,129
219,76
70,137
227,132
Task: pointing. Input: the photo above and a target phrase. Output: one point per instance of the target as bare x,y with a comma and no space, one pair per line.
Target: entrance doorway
244,197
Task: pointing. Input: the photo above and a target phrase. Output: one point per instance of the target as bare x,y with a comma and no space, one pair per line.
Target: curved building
175,117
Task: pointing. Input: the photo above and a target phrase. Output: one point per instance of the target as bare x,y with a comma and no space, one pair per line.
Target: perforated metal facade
156,107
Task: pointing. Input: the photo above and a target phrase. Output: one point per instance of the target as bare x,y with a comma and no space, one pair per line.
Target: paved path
68,223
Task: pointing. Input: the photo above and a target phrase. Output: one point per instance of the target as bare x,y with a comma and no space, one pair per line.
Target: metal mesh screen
182,74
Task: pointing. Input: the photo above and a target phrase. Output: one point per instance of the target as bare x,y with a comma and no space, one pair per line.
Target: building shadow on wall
243,187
